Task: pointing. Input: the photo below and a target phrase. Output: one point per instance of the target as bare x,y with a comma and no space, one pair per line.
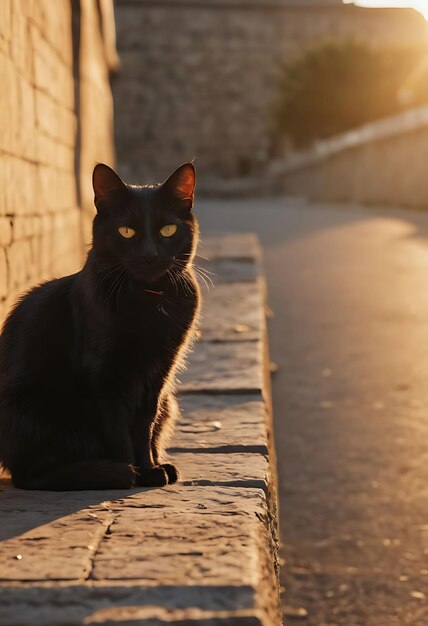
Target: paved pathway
349,288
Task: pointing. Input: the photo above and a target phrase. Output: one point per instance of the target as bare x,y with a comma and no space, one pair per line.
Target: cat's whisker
115,269
198,268
205,282
196,256
206,279
204,270
110,270
112,289
185,282
173,280
124,275
108,289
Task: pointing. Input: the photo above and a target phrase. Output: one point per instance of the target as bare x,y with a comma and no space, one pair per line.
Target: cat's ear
180,186
106,182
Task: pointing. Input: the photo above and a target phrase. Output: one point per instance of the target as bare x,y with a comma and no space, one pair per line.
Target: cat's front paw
172,472
155,477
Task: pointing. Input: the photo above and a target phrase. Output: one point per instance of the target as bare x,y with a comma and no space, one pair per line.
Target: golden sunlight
419,5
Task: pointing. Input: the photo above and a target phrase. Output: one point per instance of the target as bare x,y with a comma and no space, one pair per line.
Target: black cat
88,361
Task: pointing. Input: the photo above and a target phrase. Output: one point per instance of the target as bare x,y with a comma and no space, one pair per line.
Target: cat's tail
83,475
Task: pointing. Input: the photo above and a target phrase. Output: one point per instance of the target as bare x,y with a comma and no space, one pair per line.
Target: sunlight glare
419,5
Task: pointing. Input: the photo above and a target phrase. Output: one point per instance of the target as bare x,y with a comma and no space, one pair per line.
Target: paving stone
34,508
30,507
194,499
59,549
224,367
54,545
239,470
233,312
156,616
230,423
74,604
232,271
181,548
231,246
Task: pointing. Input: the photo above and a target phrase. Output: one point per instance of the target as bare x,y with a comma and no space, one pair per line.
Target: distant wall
199,77
382,163
50,136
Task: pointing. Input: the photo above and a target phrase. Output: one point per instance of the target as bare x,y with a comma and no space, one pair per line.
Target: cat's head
145,229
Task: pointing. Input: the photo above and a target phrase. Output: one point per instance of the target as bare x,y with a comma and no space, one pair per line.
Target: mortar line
111,518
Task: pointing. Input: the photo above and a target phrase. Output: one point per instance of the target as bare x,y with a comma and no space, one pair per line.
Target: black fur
87,362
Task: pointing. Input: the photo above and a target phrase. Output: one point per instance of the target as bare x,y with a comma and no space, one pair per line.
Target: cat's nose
150,257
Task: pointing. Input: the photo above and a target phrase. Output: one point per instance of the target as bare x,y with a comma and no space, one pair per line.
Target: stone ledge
200,552
409,121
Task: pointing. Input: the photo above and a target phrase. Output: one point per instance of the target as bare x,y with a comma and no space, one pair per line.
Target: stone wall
382,163
199,77
49,139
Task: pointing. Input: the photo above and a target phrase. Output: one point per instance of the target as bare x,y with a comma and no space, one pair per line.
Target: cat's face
146,230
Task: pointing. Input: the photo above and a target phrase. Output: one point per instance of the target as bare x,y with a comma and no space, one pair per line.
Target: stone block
236,246
8,81
233,312
155,616
55,120
43,506
75,604
19,261
50,75
226,423
5,231
6,19
229,470
224,367
53,153
23,227
21,180
181,549
233,271
38,554
55,22
4,282
77,539
20,43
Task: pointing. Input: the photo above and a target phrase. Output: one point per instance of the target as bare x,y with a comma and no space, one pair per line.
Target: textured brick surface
49,122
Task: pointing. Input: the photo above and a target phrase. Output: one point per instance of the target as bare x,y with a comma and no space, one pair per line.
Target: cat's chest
139,342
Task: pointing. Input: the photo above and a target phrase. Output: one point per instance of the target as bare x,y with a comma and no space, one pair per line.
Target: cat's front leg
149,474
167,414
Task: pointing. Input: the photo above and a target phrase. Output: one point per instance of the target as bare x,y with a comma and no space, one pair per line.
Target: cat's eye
169,230
126,232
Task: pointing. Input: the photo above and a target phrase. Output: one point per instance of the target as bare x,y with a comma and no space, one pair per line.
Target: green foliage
336,86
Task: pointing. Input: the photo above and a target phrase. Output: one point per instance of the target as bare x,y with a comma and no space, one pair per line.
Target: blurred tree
335,86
